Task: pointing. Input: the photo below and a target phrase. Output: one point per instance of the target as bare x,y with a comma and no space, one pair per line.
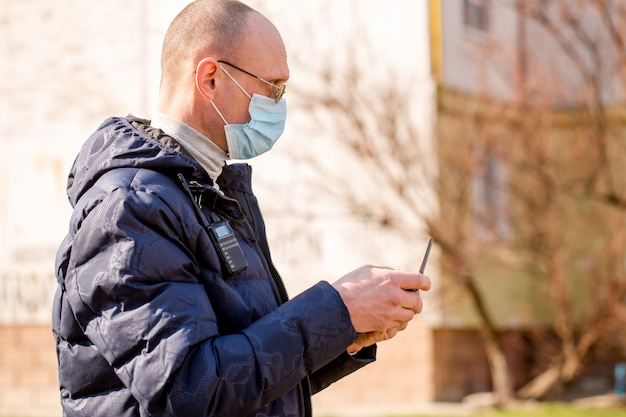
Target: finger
366,339
424,282
406,312
411,301
419,306
353,348
411,280
389,333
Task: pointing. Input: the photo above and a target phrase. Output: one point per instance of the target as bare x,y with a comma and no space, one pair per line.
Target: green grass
558,410
546,410
555,410
537,410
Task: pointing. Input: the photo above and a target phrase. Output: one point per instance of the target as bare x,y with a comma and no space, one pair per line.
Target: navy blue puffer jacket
147,322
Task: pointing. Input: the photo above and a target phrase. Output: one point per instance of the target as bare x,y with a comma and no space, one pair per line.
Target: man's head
194,84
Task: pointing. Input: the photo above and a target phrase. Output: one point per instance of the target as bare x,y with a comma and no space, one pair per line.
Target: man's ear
206,73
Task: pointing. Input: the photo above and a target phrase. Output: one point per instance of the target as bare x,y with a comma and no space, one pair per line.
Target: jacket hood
128,142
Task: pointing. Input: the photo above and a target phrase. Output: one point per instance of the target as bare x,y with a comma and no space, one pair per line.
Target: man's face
262,54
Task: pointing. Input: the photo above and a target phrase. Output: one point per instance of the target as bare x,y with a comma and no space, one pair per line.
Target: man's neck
202,149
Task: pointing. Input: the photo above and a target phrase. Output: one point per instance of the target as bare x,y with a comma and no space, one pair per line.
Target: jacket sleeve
340,367
133,286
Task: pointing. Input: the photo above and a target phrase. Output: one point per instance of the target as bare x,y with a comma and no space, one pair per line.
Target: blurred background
496,127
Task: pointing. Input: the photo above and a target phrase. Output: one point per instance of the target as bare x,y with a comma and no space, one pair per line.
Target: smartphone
429,244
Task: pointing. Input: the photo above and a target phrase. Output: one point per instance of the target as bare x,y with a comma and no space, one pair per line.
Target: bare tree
583,186
553,182
566,170
374,126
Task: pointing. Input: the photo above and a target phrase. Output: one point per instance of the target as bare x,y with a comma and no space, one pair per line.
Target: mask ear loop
235,81
219,112
210,100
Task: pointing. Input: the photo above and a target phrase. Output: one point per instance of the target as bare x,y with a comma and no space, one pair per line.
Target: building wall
101,59
28,373
67,65
398,380
486,112
513,51
60,76
465,49
462,368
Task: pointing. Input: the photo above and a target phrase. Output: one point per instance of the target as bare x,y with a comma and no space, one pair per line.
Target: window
476,14
490,199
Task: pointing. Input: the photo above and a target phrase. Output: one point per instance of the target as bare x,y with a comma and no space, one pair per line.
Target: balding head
204,27
194,84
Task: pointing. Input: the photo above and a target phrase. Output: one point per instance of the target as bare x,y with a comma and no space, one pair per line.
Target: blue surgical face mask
267,123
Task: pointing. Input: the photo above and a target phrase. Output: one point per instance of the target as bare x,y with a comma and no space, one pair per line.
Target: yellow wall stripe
436,47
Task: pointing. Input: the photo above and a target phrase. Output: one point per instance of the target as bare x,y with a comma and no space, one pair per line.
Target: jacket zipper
281,296
280,292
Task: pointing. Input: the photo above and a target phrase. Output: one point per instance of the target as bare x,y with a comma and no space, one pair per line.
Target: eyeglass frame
280,89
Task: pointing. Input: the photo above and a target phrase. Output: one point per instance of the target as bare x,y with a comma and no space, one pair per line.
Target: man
168,301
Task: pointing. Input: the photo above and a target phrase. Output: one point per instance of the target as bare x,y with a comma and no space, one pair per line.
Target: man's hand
368,339
377,301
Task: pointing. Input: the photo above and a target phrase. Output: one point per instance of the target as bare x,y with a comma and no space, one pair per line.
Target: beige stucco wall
67,65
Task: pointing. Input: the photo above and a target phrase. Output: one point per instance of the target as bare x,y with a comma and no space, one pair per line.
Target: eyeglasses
280,89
